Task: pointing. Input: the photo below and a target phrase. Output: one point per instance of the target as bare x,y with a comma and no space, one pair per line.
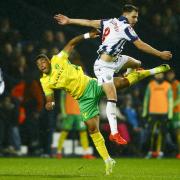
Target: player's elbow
140,44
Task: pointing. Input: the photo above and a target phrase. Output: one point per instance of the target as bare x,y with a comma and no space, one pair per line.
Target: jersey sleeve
63,54
102,24
130,34
47,91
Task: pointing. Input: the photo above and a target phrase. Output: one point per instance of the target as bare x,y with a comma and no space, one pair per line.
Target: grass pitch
52,169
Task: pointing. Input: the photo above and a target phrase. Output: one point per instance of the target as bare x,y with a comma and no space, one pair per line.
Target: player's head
43,63
159,77
131,13
170,75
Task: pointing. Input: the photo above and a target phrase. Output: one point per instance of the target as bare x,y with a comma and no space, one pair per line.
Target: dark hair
129,8
41,56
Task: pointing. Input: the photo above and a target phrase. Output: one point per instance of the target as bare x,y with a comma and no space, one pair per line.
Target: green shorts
176,120
89,101
73,122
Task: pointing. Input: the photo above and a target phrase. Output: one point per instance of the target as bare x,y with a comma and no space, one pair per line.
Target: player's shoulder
43,78
176,82
62,55
153,83
167,83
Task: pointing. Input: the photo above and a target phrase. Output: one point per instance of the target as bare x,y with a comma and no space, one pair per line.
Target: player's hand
50,106
166,55
61,19
94,33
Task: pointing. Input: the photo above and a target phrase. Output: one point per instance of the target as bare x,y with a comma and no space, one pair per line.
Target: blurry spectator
6,56
158,105
19,68
29,50
157,23
60,39
53,51
48,40
135,129
7,34
30,96
29,53
176,111
72,120
9,127
47,128
170,24
137,99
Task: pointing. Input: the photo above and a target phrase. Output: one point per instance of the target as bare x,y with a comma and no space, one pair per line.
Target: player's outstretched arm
76,40
165,55
64,20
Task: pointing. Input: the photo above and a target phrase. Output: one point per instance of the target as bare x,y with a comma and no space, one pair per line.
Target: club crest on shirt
56,66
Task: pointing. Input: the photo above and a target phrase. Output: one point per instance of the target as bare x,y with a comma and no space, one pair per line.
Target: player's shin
84,140
61,140
99,143
111,115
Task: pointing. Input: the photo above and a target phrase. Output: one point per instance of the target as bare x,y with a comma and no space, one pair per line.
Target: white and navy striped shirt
115,33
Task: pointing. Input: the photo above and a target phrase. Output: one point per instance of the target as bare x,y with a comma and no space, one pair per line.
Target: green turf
126,169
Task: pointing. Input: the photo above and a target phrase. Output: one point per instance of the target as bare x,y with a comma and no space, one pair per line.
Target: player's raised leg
131,64
136,76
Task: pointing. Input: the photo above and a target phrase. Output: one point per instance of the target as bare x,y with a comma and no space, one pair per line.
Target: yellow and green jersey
64,75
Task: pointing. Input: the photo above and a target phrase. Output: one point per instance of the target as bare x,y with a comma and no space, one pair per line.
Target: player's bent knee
138,63
93,129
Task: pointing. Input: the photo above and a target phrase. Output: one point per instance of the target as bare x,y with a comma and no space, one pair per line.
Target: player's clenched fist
61,19
166,55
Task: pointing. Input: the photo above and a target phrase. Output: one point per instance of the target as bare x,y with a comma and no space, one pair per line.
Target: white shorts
104,71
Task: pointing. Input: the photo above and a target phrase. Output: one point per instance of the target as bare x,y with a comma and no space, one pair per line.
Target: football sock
134,77
84,140
111,115
129,70
159,141
100,145
61,140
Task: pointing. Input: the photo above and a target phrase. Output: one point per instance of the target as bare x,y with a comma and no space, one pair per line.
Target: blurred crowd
24,120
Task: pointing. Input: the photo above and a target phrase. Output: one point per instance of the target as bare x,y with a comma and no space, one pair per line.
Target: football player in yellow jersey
59,73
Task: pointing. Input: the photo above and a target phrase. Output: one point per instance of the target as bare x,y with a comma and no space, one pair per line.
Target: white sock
107,160
152,71
129,70
111,115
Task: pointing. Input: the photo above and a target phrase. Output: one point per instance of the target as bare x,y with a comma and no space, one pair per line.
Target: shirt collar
123,18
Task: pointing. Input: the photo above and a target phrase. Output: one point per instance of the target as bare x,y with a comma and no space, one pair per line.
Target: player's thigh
89,101
129,62
104,75
79,123
67,123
